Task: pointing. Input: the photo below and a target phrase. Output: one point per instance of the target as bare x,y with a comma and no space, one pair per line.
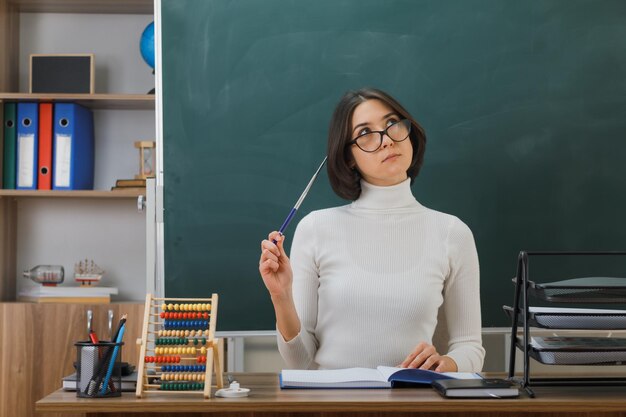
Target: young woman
366,281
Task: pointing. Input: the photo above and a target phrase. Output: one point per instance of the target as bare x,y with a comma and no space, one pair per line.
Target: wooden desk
266,398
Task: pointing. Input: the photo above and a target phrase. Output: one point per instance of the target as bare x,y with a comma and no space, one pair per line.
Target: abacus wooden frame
213,362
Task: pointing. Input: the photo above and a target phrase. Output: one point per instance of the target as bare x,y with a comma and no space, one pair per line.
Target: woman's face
389,163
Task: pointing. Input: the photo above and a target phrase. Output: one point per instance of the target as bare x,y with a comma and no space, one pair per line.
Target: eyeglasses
372,141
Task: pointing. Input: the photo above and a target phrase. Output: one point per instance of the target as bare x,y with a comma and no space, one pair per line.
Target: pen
112,361
119,327
94,339
300,200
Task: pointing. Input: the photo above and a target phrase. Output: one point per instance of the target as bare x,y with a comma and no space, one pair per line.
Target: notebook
481,388
381,377
129,382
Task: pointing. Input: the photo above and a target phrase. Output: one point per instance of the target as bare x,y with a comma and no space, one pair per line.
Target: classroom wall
112,233
119,68
261,354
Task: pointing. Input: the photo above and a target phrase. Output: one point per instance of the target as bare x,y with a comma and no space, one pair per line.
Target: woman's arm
294,295
461,300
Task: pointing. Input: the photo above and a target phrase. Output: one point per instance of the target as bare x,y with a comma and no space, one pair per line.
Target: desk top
266,396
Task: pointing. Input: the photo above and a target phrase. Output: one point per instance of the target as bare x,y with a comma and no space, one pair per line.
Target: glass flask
46,274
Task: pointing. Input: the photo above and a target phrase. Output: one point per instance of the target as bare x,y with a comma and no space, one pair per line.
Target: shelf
571,318
85,6
93,101
583,351
71,194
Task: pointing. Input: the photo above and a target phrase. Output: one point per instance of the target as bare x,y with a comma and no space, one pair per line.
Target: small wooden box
62,73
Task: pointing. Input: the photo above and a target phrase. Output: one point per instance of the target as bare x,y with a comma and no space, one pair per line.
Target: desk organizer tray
577,350
572,318
581,290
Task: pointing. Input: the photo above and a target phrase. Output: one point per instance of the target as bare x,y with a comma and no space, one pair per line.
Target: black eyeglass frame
381,133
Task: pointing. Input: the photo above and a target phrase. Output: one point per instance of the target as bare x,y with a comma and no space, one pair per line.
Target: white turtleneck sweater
369,278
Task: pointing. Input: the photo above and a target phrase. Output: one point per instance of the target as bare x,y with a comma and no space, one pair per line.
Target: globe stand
152,90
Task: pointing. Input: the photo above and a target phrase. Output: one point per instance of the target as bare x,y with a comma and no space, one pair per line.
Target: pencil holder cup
98,370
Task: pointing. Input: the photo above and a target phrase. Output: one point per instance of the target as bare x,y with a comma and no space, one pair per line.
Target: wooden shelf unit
85,6
72,194
93,101
9,92
59,325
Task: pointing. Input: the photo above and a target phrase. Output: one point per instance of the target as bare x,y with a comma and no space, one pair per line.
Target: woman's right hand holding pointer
277,275
275,268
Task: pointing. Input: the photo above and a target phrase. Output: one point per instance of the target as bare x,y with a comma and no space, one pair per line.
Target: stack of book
130,184
129,382
65,294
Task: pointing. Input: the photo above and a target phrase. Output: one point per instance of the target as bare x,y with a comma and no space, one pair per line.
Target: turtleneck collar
376,197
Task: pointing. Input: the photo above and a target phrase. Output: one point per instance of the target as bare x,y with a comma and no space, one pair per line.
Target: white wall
113,38
111,232
261,353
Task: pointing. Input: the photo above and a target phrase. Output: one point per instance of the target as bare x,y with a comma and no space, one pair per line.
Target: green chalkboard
523,102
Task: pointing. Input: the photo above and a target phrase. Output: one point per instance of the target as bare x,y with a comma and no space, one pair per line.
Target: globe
146,45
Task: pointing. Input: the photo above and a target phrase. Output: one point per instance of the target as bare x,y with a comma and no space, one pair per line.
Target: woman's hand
425,356
275,268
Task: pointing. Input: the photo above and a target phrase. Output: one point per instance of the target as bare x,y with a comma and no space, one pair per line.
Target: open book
381,377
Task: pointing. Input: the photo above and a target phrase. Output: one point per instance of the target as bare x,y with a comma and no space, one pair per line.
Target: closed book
44,179
27,146
476,388
69,300
130,183
67,294
129,189
72,147
68,291
10,146
129,382
381,377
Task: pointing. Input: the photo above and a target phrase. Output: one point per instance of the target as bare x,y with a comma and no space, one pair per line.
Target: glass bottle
46,274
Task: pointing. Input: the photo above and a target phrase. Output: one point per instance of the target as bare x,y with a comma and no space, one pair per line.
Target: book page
330,376
387,371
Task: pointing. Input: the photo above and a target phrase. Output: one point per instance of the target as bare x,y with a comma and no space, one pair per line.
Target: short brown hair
345,180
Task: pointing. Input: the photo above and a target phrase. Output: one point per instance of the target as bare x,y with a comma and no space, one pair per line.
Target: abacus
179,351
